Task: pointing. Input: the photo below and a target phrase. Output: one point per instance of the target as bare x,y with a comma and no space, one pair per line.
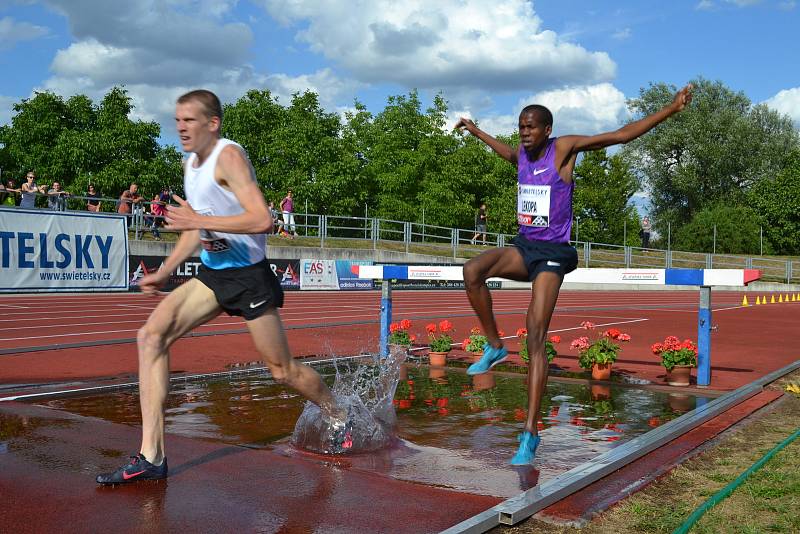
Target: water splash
366,390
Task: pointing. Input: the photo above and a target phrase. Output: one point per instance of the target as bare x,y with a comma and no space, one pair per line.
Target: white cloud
13,32
444,44
787,102
743,3
787,5
159,50
585,110
705,5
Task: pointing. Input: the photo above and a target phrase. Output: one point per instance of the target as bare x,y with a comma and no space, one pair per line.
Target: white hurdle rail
705,279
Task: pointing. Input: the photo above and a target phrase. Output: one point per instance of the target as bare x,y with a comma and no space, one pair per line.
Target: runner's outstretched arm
569,145
503,150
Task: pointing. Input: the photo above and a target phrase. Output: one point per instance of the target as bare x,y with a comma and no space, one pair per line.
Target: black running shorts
539,256
247,291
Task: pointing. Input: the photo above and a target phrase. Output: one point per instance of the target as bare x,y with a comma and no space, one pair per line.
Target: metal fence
334,231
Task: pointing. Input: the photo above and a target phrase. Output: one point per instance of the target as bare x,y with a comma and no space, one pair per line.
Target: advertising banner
44,250
332,275
287,271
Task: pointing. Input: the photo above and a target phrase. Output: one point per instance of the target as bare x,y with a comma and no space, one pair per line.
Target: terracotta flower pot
437,359
398,351
483,381
601,392
680,403
680,375
601,371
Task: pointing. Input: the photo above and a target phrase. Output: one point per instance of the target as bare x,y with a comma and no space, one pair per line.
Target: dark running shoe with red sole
137,469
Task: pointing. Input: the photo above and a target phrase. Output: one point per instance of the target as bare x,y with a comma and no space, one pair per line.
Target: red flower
445,326
412,337
624,337
613,333
431,328
587,325
522,332
582,343
405,324
465,344
501,333
394,327
657,348
555,339
475,330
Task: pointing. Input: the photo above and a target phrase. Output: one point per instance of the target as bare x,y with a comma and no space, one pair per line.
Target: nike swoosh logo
553,263
539,171
257,304
127,476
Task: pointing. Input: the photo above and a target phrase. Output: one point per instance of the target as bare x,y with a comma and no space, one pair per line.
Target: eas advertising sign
62,251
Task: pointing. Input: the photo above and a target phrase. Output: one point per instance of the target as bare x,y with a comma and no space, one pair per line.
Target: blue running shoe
491,357
527,449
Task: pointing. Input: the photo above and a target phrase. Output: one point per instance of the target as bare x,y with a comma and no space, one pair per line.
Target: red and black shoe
137,469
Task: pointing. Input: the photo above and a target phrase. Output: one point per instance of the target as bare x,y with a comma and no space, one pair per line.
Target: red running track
748,342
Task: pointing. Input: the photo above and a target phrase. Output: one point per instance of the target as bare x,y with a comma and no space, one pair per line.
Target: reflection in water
453,431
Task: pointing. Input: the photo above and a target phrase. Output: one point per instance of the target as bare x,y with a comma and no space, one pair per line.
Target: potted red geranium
400,339
441,343
678,357
600,354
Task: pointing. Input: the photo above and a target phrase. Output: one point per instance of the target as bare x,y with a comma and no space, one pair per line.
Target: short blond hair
212,107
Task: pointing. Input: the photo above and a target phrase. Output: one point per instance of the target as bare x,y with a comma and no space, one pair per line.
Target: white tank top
207,197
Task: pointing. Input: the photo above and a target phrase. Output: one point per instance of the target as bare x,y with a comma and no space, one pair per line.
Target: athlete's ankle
154,458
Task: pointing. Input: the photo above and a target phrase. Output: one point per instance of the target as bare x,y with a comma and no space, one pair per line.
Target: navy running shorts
539,256
246,291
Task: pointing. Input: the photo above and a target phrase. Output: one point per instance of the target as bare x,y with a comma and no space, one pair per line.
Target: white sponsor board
318,274
62,251
616,276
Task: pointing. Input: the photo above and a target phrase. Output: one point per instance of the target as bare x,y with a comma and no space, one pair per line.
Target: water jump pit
436,427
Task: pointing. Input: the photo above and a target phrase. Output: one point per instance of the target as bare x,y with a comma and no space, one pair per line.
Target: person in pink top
287,208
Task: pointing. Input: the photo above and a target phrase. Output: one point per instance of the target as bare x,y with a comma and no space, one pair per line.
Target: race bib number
210,241
533,205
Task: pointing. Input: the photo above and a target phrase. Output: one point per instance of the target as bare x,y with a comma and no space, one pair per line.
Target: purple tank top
544,200
288,205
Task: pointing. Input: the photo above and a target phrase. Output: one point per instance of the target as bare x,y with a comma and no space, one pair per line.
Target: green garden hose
727,490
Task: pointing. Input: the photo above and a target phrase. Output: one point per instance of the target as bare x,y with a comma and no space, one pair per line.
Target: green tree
77,142
737,231
777,202
712,152
604,186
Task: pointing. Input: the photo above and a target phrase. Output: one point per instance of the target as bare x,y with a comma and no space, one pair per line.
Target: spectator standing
480,224
274,213
129,198
287,208
92,199
9,194
29,191
647,228
57,198
158,209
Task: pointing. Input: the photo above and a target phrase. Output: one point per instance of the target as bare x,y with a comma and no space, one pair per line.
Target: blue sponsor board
349,280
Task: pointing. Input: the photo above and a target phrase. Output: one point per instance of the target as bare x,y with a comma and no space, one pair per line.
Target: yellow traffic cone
780,298
758,301
793,298
744,301
772,300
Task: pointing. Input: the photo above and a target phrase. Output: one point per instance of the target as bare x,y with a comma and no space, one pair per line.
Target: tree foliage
737,231
777,203
77,142
713,152
604,186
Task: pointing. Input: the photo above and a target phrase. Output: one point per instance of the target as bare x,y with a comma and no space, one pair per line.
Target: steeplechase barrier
704,279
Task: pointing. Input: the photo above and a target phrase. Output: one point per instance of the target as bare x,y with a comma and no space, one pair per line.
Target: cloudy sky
488,58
